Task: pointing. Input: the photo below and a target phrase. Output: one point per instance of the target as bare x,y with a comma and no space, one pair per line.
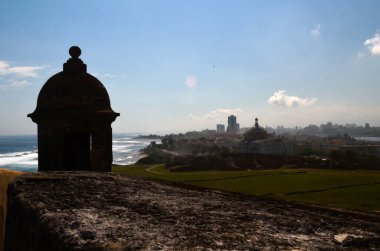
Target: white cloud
216,114
191,81
281,98
340,113
18,71
19,83
373,44
14,84
361,54
316,31
104,75
108,75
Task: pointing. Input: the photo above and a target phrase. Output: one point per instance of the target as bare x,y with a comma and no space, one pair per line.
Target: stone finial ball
75,51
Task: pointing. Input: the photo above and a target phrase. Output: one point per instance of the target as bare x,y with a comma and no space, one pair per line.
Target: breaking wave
24,158
125,149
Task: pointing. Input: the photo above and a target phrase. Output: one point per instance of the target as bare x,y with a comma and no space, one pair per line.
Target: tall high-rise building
232,127
220,128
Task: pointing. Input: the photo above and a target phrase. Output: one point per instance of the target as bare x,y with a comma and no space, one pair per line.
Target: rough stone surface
104,211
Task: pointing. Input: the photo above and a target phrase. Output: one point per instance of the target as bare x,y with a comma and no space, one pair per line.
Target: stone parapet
105,211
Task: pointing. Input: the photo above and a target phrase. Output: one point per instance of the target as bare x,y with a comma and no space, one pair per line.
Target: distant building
328,129
220,128
256,133
366,125
208,133
351,125
257,140
243,130
312,130
362,149
232,127
281,147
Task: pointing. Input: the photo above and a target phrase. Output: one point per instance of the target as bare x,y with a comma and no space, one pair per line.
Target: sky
176,66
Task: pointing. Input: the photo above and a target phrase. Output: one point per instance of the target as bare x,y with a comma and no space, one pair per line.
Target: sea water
21,152
18,153
369,139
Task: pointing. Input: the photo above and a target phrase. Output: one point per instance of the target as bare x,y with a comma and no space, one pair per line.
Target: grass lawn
356,189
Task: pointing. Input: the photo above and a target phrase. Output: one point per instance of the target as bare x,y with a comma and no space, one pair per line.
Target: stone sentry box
74,117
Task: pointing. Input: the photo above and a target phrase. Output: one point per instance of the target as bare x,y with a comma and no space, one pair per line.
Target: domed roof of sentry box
73,90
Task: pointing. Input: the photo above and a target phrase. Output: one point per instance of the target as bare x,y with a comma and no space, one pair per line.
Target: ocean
369,139
20,153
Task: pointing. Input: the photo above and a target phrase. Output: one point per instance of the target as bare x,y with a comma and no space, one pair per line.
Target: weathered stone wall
104,211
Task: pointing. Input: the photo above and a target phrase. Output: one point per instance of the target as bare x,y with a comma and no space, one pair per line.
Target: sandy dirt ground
5,177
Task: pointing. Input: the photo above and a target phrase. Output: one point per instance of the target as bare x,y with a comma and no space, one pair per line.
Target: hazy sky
183,65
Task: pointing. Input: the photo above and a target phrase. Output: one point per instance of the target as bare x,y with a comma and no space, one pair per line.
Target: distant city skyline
176,66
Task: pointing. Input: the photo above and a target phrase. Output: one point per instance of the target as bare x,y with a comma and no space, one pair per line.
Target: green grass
357,189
